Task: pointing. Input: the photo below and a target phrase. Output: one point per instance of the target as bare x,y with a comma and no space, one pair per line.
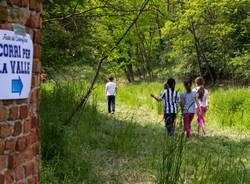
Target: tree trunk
168,5
200,53
131,72
198,59
127,74
128,70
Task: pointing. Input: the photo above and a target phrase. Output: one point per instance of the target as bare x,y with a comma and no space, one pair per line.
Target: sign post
16,59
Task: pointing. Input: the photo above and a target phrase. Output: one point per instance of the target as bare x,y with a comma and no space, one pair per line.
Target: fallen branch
85,98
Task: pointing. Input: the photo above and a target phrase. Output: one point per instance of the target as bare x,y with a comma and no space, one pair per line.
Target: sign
16,59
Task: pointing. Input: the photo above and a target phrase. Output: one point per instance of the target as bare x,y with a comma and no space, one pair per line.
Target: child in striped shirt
171,100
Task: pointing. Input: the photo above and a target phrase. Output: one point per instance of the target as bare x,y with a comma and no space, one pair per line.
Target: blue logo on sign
17,86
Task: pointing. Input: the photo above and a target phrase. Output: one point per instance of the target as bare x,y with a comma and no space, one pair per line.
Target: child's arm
106,89
181,102
156,98
207,100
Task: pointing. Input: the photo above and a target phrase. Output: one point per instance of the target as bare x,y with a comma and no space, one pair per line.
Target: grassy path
224,143
129,146
122,167
145,116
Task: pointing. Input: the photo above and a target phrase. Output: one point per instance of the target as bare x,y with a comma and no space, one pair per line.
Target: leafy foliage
181,38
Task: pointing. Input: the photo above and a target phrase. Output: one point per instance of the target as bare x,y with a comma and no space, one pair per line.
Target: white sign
16,59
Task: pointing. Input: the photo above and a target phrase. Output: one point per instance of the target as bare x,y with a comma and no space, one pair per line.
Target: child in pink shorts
188,101
202,94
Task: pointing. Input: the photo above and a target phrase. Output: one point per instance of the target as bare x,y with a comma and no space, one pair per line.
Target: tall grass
231,107
76,153
64,147
133,95
62,154
185,162
172,159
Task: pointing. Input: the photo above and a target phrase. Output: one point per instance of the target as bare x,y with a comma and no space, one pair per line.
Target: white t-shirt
204,101
111,88
189,102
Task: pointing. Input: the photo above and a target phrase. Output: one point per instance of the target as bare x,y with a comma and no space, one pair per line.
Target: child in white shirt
111,90
189,99
202,94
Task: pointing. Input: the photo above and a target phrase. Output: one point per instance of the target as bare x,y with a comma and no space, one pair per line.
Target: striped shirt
171,100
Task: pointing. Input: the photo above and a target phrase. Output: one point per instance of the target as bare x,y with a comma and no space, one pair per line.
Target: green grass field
132,147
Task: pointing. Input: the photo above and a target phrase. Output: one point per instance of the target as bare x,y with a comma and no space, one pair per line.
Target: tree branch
125,12
85,98
74,14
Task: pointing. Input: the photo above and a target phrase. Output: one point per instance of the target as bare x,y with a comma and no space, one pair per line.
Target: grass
132,147
230,107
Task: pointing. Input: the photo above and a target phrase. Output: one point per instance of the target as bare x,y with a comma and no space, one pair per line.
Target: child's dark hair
171,83
201,91
188,85
111,78
165,85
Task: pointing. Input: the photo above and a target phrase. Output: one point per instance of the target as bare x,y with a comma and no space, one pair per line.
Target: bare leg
204,132
203,128
198,129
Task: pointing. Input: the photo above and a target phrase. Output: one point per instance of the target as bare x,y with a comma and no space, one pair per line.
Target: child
171,99
111,90
203,102
188,101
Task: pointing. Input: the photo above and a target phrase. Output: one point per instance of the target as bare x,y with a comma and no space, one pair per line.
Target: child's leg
198,123
205,109
201,117
198,128
109,104
168,123
113,103
201,120
188,117
191,117
185,121
204,132
174,124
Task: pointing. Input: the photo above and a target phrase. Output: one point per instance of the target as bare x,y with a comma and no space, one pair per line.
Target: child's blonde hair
200,81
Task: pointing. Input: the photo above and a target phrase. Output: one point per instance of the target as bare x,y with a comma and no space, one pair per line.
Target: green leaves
184,37
212,30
